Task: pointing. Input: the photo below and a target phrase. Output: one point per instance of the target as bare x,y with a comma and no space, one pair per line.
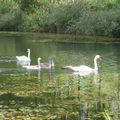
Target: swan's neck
39,64
29,54
95,64
52,63
49,64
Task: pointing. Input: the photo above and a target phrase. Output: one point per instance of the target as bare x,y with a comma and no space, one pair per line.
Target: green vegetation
24,96
84,17
57,94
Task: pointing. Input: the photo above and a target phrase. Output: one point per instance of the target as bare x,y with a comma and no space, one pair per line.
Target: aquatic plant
106,115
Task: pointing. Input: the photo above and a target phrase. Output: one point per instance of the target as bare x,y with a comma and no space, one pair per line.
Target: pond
58,94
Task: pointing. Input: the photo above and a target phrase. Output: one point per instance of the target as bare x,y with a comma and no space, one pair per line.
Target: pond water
58,94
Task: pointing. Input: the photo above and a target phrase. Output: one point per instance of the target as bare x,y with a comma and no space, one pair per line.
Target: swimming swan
48,65
84,68
33,67
23,57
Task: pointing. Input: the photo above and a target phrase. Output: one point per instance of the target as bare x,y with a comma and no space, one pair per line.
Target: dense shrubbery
22,15
102,22
10,15
75,18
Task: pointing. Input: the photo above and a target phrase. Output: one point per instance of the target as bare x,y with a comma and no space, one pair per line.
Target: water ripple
7,59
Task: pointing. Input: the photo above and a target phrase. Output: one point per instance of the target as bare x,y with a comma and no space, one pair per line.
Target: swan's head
39,58
28,50
97,56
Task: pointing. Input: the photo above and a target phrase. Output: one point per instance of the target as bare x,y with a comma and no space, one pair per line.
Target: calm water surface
58,94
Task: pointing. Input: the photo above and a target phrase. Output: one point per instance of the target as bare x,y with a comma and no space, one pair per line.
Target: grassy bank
50,37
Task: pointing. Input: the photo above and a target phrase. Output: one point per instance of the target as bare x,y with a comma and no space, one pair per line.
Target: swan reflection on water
39,74
84,70
83,74
23,63
40,67
88,74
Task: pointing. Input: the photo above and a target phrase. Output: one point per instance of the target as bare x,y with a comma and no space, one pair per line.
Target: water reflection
55,93
22,63
87,74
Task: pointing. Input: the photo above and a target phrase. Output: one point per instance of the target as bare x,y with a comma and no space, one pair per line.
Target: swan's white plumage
33,67
81,68
84,68
23,57
23,63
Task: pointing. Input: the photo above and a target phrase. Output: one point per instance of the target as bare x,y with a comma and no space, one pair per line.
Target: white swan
33,67
84,68
23,57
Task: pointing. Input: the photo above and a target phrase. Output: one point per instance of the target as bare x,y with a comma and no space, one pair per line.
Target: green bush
61,18
76,19
10,15
32,12
29,23
96,23
82,18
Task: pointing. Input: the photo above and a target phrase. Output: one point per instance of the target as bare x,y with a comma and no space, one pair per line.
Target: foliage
106,115
80,20
83,17
102,22
60,19
10,15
